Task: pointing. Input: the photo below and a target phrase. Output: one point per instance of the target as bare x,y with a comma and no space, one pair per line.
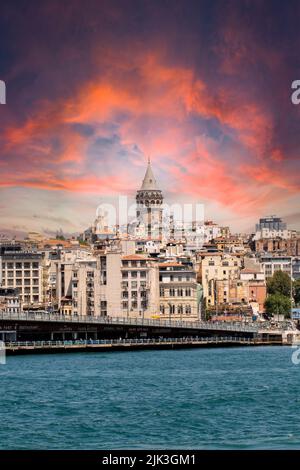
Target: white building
139,287
22,270
271,264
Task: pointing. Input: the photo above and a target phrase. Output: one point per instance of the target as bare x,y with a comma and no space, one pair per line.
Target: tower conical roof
149,181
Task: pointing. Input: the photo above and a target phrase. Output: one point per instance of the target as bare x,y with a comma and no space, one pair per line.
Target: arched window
162,309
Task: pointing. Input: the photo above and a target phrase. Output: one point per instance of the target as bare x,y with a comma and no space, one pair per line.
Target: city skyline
207,96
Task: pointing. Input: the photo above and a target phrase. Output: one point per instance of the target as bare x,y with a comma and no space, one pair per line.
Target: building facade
177,292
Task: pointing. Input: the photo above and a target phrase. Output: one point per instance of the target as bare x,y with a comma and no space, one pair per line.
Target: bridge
106,345
45,326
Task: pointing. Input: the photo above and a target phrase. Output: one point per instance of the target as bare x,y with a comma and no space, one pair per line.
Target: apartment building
215,267
177,292
273,263
22,270
139,287
10,300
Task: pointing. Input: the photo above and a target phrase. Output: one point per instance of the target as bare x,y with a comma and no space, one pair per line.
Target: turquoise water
240,398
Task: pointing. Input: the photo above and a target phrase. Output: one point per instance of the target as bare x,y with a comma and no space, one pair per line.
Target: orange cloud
151,103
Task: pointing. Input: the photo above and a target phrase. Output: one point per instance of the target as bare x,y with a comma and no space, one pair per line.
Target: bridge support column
74,335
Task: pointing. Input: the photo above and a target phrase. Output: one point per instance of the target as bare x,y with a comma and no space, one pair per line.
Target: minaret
149,201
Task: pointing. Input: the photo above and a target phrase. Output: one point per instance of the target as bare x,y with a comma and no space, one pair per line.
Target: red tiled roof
134,257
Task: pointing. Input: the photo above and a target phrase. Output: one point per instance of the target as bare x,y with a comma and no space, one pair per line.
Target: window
171,309
172,292
27,265
35,298
211,263
124,274
143,274
133,284
162,309
124,305
180,309
75,285
134,304
10,274
134,294
10,265
162,292
188,309
124,284
26,273
188,292
35,274
27,282
35,265
134,274
125,294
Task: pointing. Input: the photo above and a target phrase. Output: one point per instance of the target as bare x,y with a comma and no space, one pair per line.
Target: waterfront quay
31,347
49,327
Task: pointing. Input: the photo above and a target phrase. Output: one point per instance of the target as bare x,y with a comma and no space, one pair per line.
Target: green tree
296,292
279,283
278,304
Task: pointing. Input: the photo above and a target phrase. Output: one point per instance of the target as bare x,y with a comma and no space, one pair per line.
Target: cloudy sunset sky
94,87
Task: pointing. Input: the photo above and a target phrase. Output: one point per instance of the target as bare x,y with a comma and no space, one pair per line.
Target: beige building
218,267
177,292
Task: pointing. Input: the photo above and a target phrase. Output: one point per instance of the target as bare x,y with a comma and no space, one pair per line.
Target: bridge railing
52,317
129,341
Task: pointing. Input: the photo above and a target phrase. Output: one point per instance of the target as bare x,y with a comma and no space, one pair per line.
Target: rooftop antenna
149,160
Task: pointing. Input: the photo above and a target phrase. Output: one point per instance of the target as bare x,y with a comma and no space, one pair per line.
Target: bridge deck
198,325
127,344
